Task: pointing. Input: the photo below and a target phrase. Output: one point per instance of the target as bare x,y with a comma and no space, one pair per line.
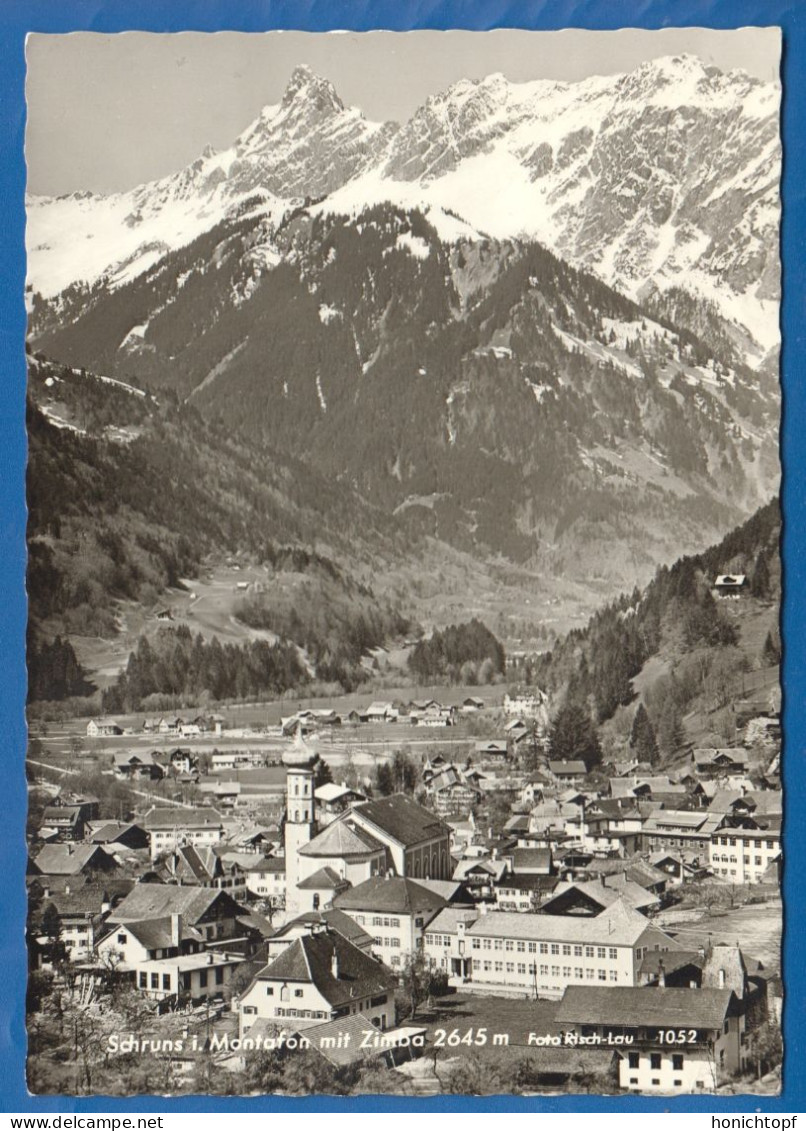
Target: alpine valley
522,346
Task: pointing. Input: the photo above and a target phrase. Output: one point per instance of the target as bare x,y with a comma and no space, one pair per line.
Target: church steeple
300,826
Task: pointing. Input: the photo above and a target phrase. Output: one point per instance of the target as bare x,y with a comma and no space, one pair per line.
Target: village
401,889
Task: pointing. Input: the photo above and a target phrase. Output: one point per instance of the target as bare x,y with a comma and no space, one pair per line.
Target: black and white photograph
403,573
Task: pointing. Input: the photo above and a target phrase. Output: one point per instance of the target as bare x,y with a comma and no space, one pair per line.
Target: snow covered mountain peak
665,177
306,87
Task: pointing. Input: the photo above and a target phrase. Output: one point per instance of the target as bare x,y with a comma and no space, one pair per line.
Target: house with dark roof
321,977
189,864
636,1018
119,834
126,946
309,922
570,772
73,860
131,766
395,910
214,913
63,822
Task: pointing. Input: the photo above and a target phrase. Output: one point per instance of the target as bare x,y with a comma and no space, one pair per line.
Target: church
388,836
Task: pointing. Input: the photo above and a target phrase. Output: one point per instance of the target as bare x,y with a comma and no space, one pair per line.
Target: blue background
17,18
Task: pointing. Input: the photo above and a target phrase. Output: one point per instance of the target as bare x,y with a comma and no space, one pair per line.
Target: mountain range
664,177
358,316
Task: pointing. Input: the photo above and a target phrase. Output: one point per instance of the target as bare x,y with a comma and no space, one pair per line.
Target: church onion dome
300,756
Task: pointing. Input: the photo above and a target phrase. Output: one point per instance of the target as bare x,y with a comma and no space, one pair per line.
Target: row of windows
521,947
733,860
656,1061
545,971
731,841
310,1013
386,942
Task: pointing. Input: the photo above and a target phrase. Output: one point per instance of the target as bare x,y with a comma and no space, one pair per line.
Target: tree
760,584
573,735
643,742
419,981
767,1046
323,775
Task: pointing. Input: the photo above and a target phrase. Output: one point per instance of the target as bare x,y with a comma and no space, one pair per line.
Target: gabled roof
331,791
402,819
574,766
334,920
323,880
156,934
68,859
636,1006
155,901
274,864
310,960
397,894
114,830
166,818
618,925
448,918
341,838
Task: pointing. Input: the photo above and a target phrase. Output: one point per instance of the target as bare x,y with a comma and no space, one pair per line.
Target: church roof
341,838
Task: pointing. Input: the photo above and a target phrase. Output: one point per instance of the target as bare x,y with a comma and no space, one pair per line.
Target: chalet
165,615
713,762
381,713
63,822
471,704
103,728
137,767
730,585
332,799
321,977
482,876
170,725
452,791
568,772
395,911
679,829
491,750
712,1053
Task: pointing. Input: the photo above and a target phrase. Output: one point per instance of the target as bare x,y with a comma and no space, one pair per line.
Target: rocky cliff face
666,177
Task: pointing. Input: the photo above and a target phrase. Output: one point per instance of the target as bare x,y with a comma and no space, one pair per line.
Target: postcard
404,580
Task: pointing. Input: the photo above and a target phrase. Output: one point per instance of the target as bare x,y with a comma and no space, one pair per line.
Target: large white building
542,954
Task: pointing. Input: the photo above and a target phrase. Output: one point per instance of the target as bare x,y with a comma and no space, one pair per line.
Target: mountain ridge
664,176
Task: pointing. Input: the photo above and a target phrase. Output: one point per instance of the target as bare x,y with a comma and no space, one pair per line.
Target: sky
108,112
